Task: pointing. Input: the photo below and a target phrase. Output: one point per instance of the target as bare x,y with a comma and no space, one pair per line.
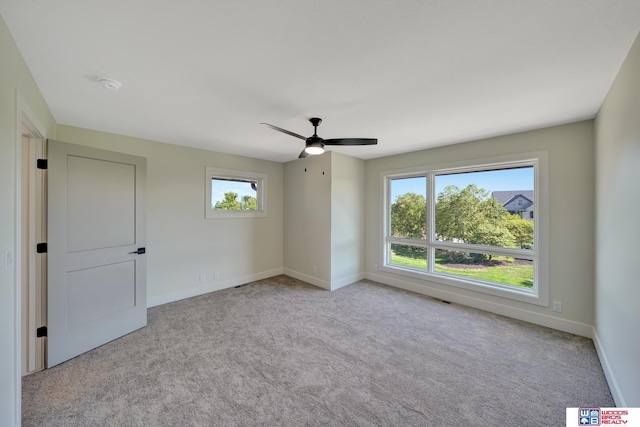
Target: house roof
506,197
414,74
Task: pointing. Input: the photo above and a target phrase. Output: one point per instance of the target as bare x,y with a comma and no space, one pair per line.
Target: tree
409,216
249,203
230,202
521,229
471,215
464,215
493,234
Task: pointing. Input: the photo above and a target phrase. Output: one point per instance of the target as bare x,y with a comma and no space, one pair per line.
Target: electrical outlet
557,306
203,278
216,275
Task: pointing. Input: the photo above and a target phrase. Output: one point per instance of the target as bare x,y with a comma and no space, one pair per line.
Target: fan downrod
315,121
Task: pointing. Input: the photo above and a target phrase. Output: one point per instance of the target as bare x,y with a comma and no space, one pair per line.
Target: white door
96,226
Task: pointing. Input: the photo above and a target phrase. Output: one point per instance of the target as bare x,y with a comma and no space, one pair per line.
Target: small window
235,194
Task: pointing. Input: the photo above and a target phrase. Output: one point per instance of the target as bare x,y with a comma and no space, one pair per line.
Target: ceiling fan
315,144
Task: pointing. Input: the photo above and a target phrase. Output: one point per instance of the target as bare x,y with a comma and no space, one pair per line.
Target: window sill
235,214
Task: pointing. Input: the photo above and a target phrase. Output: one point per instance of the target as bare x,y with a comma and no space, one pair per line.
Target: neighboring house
516,202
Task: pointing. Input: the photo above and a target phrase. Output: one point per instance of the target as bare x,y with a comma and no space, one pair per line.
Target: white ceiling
413,73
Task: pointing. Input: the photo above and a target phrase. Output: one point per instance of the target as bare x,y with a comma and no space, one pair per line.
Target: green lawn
418,263
511,273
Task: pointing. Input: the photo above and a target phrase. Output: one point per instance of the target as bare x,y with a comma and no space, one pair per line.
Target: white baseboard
229,283
330,286
345,281
572,327
608,372
309,279
210,287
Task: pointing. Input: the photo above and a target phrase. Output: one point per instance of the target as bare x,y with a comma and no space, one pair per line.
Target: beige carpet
280,352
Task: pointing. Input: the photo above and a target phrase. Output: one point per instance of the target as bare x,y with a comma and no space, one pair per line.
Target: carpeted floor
279,352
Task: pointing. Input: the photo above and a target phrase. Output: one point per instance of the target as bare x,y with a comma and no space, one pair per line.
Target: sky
496,180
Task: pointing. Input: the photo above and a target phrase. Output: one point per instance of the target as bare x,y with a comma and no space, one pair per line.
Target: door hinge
42,248
41,332
42,164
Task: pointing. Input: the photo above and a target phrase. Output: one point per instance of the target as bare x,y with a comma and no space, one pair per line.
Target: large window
471,225
235,194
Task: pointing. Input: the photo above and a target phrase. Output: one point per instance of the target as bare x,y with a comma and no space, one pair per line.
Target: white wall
181,243
307,219
571,206
324,219
617,287
347,219
14,78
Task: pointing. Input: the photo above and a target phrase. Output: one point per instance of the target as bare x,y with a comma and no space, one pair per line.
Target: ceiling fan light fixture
314,148
314,145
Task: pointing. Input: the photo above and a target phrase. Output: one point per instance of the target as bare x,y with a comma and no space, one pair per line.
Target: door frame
27,120
33,265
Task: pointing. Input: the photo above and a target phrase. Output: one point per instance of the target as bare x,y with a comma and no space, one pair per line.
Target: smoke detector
109,83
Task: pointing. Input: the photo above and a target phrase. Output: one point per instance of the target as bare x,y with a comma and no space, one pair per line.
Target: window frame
212,173
539,294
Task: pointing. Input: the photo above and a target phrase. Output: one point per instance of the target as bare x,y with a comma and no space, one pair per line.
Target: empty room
319,213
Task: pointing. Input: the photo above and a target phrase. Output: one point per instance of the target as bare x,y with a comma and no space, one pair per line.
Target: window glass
491,207
234,194
408,210
408,256
488,267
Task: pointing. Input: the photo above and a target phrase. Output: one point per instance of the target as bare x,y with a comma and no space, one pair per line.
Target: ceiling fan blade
351,141
303,154
288,132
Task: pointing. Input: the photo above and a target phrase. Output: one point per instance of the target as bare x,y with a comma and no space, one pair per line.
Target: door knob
140,251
